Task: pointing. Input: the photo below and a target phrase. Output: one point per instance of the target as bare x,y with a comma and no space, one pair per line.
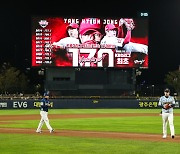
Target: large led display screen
90,42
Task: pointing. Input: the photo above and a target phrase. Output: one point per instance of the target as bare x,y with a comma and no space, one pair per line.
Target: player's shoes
38,131
164,136
172,136
51,131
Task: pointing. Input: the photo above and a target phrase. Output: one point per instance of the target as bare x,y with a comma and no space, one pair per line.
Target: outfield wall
81,103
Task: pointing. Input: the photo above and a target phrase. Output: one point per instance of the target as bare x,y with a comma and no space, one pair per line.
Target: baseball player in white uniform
124,43
44,114
167,103
72,38
111,36
73,32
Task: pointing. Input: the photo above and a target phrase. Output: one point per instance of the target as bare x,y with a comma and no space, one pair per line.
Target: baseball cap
46,93
110,27
72,25
167,90
86,25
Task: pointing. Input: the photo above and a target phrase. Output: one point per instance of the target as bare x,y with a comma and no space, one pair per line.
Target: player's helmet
72,25
90,24
110,27
167,90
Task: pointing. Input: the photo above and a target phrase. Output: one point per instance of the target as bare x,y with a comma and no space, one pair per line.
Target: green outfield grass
147,124
32,144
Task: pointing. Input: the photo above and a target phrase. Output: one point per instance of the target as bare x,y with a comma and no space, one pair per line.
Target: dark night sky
164,30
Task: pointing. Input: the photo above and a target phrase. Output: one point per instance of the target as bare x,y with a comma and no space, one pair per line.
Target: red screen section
90,42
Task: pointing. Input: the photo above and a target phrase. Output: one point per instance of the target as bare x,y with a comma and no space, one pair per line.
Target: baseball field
87,131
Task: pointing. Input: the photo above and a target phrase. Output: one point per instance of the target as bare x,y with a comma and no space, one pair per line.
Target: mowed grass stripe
137,124
31,144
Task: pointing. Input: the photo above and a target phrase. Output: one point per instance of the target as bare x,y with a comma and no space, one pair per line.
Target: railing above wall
37,97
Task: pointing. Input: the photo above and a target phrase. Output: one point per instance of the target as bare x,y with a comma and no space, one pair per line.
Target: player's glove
167,106
129,23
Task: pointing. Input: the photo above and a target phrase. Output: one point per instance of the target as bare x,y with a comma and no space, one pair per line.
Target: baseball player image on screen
72,38
60,48
167,103
89,33
44,114
111,37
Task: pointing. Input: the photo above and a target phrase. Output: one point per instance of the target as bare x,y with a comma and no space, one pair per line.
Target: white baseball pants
165,118
44,119
136,47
